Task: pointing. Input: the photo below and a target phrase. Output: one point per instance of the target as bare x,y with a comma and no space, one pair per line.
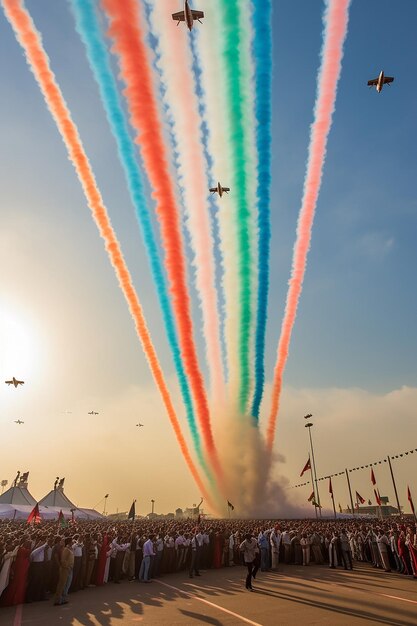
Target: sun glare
19,349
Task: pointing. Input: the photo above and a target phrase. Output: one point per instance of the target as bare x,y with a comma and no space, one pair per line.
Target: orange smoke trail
129,45
336,21
36,56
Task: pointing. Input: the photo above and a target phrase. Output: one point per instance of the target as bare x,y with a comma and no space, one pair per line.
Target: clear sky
65,328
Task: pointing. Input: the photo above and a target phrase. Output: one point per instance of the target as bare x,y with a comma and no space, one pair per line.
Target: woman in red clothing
16,589
101,561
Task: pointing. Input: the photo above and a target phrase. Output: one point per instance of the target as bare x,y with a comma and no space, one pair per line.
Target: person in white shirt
250,550
275,543
148,553
231,549
179,552
195,557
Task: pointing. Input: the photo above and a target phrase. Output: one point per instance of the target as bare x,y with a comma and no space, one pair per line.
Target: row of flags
359,498
34,517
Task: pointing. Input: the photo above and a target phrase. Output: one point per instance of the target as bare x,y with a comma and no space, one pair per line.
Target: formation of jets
14,382
188,16
219,189
92,413
380,81
18,422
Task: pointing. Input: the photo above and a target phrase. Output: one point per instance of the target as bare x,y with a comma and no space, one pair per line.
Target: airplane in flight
18,422
219,189
188,16
380,81
139,425
14,382
306,417
92,413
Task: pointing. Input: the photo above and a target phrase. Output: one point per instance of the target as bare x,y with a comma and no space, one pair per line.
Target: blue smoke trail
262,49
90,33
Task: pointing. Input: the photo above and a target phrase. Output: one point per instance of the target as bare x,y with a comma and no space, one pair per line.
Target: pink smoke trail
178,81
38,61
335,21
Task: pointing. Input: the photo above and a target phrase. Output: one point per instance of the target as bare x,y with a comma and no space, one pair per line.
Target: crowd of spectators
48,561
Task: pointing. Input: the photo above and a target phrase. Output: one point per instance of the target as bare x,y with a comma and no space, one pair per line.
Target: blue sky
356,320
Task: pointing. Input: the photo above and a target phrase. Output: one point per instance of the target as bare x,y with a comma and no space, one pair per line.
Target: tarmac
293,596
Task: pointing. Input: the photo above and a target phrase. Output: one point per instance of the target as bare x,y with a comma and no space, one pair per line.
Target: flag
410,499
34,515
62,522
359,498
306,467
131,514
373,479
230,505
311,496
377,497
330,487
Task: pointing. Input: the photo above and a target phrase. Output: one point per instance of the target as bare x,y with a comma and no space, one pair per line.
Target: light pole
309,425
152,502
105,502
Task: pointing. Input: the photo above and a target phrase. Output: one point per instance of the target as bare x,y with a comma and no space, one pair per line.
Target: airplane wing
8,382
179,17
372,82
197,15
213,189
226,189
388,79
20,382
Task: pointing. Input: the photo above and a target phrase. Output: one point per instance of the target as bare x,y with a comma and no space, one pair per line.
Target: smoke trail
181,102
37,59
335,29
207,43
263,90
208,157
220,44
89,30
234,36
126,32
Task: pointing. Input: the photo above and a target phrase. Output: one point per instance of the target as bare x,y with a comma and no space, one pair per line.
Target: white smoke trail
175,64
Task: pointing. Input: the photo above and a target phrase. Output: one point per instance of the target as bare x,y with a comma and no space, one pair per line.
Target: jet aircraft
18,422
219,189
139,425
380,81
92,413
14,382
188,16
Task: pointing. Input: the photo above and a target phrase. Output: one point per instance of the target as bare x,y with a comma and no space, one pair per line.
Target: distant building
179,514
385,510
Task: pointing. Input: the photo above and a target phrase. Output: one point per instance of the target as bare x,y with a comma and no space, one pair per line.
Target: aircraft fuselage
188,15
380,82
219,189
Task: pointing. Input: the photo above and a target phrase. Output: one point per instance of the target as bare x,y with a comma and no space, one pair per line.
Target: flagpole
334,507
309,425
312,484
350,490
395,486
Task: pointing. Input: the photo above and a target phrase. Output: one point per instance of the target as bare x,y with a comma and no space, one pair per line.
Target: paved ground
295,596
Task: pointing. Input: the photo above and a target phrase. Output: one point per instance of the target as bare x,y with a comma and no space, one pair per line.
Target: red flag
373,479
410,499
306,467
311,497
330,487
34,515
359,497
377,497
